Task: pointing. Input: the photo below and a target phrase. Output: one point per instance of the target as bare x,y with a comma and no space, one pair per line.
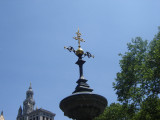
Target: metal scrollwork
79,52
70,49
88,54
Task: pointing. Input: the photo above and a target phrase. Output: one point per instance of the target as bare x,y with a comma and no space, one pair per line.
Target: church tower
28,104
29,113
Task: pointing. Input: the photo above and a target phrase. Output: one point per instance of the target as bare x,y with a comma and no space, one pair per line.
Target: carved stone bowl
83,105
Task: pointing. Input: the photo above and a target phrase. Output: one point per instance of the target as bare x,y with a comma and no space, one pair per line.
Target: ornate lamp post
83,104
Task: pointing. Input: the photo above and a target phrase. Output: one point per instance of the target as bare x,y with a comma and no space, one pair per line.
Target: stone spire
30,87
20,111
28,104
2,112
1,116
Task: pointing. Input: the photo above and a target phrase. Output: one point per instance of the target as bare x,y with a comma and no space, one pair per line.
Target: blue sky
33,34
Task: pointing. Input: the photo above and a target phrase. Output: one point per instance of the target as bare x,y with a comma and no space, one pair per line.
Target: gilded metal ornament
79,52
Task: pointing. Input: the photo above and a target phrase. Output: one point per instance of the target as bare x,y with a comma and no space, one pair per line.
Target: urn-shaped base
83,105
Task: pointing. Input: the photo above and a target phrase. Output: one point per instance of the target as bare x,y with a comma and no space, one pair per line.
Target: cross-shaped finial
79,38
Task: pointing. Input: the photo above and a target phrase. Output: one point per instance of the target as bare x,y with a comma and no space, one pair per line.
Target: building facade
29,113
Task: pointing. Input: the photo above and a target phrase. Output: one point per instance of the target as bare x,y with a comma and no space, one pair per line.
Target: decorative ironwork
88,54
79,52
70,49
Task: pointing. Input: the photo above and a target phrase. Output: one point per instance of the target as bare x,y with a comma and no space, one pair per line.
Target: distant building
2,117
28,112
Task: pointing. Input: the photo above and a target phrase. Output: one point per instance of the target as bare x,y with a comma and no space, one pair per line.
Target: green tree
139,77
152,75
115,111
137,85
129,81
150,109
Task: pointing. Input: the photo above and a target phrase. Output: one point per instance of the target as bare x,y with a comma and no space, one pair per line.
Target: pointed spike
30,87
2,112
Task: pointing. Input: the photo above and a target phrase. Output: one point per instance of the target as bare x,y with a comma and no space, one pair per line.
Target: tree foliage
129,80
113,112
139,77
150,109
137,85
117,111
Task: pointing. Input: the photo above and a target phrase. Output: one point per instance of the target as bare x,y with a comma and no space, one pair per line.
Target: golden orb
79,51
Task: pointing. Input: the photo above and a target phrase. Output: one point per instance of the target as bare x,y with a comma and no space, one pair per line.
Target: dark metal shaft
80,63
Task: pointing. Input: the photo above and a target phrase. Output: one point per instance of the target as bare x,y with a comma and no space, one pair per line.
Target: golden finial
79,38
79,52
